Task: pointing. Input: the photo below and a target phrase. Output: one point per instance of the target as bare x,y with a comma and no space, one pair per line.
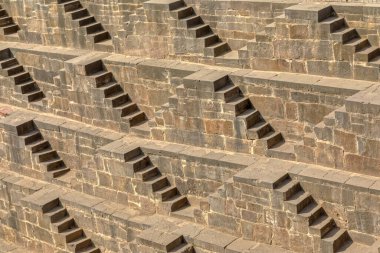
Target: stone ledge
151,69
57,52
267,172
365,102
309,11
163,5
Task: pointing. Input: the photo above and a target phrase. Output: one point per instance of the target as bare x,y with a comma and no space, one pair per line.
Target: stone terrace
189,126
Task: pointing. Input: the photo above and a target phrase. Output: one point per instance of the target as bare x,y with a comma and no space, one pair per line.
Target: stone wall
292,103
348,138
98,170
238,21
23,221
14,226
249,205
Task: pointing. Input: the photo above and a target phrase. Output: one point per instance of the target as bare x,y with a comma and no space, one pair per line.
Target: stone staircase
259,46
87,25
248,121
195,28
8,27
354,47
107,91
70,233
45,156
23,82
154,184
308,211
164,242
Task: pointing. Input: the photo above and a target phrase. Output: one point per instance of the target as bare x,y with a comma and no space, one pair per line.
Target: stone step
182,12
99,36
259,130
66,223
46,155
148,173
332,24
101,78
58,172
5,54
93,28
142,130
135,118
139,162
333,240
185,213
127,108
183,248
231,59
94,68
357,44
209,39
287,188
375,62
57,213
72,5
217,49
53,164
298,201
91,249
238,105
26,87
175,203
190,21
131,154
227,93
30,136
80,244
12,70
311,213
309,11
21,77
10,29
111,89
171,5
3,13
271,139
117,99
166,192
345,34
322,226
199,30
250,117
8,62
159,240
84,21
283,150
367,54
35,95
206,81
72,234
157,183
106,45
50,204
38,145
79,13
